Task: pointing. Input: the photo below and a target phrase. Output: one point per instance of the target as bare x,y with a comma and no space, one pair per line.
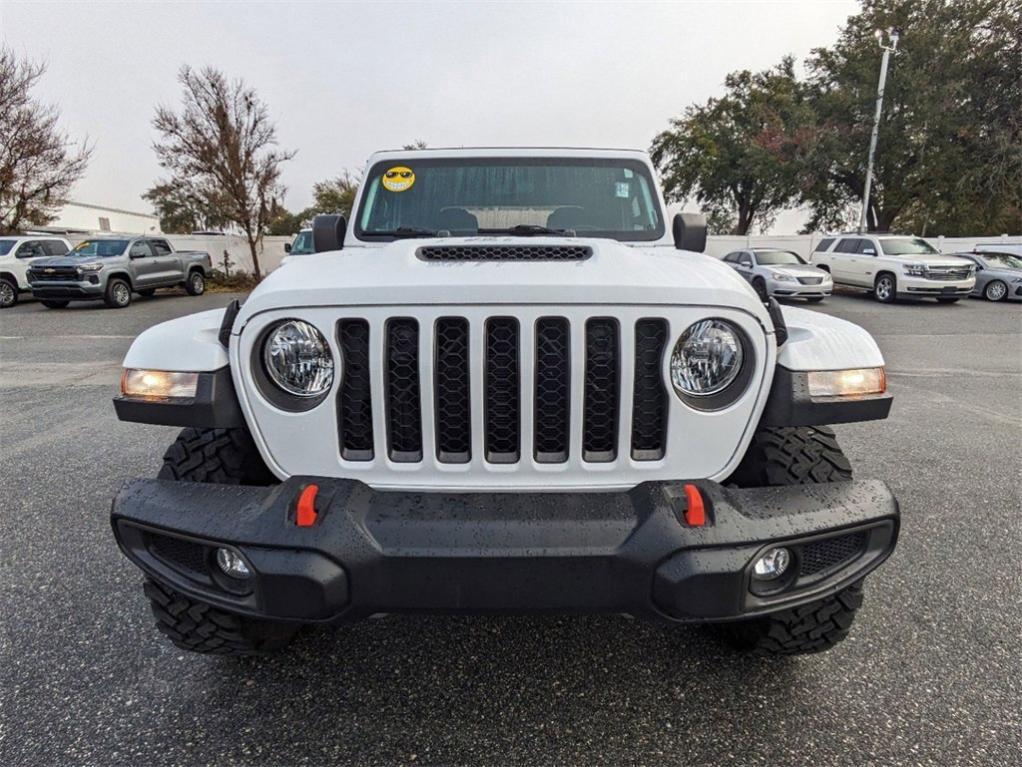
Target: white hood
394,275
934,259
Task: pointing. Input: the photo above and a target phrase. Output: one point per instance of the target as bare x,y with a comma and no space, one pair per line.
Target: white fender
188,344
818,341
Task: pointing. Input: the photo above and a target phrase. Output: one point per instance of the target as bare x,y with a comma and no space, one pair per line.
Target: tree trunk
253,241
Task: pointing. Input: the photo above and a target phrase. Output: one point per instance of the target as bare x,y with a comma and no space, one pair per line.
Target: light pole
893,35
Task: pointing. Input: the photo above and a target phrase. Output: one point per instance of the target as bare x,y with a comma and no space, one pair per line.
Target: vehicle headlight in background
158,383
92,267
782,277
707,358
847,383
914,270
298,360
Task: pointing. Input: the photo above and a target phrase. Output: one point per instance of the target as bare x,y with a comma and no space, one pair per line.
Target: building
85,218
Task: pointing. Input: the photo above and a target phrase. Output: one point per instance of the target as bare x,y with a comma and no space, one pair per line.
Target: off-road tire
202,628
195,285
885,288
995,290
147,292
54,304
219,456
223,457
794,455
759,285
8,293
811,628
117,294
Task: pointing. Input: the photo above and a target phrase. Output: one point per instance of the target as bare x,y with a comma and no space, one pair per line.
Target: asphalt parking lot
932,673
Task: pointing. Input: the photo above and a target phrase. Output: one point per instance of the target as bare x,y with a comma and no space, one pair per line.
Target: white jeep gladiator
508,384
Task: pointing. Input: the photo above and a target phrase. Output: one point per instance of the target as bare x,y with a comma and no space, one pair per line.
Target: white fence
803,244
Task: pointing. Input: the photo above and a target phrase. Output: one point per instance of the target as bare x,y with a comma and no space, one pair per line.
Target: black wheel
118,294
885,289
814,299
195,284
794,456
8,293
147,293
995,290
223,457
759,284
51,303
947,300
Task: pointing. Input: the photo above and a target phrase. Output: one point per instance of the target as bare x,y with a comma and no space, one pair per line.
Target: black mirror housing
690,232
287,247
328,232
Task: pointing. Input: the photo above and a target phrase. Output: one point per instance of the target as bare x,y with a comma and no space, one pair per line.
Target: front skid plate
371,551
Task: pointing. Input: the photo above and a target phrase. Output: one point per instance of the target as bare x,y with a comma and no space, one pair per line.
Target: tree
739,155
221,149
417,144
337,195
182,212
38,162
949,157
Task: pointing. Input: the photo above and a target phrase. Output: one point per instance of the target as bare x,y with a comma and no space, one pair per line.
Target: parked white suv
781,273
893,267
16,253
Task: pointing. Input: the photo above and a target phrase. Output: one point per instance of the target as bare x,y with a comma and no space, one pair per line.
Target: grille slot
504,252
404,408
54,273
602,375
187,556
451,371
830,552
502,412
355,406
649,401
553,390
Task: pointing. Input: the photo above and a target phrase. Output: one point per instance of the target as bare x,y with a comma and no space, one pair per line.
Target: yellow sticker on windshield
399,179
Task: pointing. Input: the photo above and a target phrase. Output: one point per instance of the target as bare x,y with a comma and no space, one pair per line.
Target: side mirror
690,232
328,232
287,247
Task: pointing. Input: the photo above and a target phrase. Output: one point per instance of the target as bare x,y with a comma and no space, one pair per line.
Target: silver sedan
781,273
998,276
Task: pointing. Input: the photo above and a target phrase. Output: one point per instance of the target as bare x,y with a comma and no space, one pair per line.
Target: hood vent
504,252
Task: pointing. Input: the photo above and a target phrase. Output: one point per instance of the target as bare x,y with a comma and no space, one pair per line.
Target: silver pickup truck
111,268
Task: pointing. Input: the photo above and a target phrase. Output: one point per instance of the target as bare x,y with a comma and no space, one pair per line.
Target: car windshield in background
612,198
907,247
1002,261
302,246
778,258
6,245
100,248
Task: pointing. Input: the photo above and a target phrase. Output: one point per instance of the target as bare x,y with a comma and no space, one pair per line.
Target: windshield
6,245
302,246
906,247
100,248
467,196
778,258
1002,260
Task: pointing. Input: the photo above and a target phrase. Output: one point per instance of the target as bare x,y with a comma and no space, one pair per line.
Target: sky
345,79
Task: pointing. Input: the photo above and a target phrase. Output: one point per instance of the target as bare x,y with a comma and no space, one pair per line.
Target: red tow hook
305,509
695,511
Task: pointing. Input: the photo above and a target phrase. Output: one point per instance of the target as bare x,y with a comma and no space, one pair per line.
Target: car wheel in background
196,284
118,294
148,292
54,304
885,288
995,290
8,293
759,284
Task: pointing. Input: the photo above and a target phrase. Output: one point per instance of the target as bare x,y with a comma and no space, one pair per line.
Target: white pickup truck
510,384
893,266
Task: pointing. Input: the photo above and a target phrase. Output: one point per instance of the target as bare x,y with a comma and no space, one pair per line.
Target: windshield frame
799,261
931,252
74,252
990,259
634,164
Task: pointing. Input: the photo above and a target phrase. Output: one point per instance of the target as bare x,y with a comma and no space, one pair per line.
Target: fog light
847,383
771,565
232,564
158,383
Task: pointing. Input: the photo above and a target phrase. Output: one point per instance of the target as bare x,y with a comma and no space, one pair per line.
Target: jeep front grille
505,395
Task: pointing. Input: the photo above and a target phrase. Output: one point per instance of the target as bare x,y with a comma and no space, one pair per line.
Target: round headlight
706,359
298,359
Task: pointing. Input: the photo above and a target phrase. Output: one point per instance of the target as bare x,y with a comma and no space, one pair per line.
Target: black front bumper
67,290
629,552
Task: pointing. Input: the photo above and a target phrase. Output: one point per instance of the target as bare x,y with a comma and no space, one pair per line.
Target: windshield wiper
406,231
532,230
